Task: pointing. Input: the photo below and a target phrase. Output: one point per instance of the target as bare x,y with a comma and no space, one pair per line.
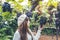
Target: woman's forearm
38,33
30,32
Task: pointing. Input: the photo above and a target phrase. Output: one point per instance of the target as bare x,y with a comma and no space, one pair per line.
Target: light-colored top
35,37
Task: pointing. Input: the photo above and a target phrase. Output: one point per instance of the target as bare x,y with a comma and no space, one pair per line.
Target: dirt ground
45,37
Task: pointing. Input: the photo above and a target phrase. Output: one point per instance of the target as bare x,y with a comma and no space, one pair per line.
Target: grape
43,20
18,14
29,14
57,15
33,6
6,7
57,22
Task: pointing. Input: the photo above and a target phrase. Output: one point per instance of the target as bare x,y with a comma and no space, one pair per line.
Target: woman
23,32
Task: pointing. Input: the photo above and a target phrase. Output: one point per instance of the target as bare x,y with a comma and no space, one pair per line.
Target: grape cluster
43,20
19,14
6,7
34,4
57,15
57,22
29,14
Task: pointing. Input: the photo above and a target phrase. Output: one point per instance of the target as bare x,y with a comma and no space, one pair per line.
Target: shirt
35,37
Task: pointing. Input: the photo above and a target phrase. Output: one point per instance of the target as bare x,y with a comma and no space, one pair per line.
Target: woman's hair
23,31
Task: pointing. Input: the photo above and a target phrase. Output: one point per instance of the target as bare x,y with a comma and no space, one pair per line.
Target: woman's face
25,23
28,23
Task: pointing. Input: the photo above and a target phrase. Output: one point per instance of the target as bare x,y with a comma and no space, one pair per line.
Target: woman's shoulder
16,36
17,33
29,36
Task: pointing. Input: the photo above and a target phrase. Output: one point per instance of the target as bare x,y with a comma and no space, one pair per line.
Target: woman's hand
40,28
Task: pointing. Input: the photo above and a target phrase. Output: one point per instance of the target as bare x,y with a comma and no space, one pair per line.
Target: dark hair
23,32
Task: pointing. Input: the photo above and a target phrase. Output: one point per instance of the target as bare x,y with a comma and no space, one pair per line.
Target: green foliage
0,8
49,31
8,24
7,30
8,16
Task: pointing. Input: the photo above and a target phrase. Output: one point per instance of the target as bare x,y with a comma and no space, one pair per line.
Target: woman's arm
37,36
38,33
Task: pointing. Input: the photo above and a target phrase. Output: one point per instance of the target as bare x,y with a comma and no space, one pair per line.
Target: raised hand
40,28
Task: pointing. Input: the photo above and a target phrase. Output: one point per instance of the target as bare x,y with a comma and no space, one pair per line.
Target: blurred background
36,10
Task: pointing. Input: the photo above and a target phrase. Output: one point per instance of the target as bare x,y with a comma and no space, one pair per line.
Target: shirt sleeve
16,36
38,35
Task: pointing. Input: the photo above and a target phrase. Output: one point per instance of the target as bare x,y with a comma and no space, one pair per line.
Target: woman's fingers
40,28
